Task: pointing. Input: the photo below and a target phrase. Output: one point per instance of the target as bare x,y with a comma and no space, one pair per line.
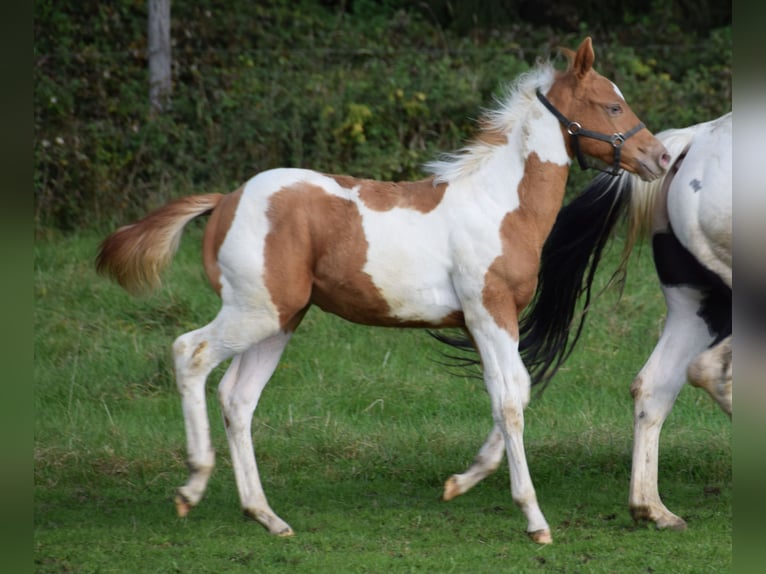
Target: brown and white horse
459,249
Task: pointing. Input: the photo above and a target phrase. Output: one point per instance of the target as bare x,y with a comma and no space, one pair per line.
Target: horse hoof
183,506
674,523
663,519
287,533
451,489
541,536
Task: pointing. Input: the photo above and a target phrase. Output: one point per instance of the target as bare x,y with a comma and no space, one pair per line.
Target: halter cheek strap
575,130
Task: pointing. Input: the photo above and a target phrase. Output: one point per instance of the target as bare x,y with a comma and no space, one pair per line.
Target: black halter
575,129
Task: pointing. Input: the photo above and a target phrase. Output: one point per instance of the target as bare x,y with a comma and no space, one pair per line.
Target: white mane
510,111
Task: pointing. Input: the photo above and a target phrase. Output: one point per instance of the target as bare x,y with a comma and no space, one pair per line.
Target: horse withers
460,248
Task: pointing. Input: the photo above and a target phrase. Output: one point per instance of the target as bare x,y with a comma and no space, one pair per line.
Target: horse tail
136,254
568,264
571,256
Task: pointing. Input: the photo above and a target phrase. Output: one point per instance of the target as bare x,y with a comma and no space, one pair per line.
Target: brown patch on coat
511,280
215,232
315,253
196,359
422,196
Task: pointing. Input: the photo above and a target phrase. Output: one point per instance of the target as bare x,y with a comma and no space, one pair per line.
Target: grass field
355,435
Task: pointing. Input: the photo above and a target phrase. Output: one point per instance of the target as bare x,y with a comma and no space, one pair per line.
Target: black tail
568,264
570,257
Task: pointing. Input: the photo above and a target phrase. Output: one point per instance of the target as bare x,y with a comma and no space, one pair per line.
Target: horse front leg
508,384
485,463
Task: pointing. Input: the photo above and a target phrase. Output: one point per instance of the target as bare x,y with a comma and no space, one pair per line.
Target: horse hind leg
485,463
655,390
711,371
238,395
196,354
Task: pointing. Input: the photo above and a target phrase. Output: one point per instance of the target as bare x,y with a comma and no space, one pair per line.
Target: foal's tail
549,330
136,254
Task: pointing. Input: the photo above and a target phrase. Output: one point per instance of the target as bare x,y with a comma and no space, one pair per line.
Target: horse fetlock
452,488
183,504
270,521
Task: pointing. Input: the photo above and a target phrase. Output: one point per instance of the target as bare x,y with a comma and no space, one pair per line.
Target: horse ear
583,60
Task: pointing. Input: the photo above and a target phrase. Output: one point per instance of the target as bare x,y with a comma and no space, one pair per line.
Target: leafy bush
370,89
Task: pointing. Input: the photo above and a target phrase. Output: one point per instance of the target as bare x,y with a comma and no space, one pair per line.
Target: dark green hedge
368,88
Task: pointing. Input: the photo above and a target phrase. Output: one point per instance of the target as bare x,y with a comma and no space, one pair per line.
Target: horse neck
541,194
526,176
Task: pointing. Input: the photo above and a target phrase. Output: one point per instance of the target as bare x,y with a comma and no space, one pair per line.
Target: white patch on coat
702,217
617,91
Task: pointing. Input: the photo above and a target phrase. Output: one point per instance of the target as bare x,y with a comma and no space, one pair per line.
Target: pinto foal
459,249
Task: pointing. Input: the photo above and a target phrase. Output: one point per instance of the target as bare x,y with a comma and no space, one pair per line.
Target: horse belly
398,299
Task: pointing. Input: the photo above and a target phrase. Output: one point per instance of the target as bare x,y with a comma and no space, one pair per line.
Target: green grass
355,435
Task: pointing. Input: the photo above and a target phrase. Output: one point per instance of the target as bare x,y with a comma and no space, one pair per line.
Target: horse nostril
665,159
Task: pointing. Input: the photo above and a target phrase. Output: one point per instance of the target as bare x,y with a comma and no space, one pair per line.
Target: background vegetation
371,88
360,427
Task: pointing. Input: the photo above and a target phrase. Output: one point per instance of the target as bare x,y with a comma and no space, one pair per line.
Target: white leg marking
508,384
655,390
712,372
196,354
239,396
485,463
195,357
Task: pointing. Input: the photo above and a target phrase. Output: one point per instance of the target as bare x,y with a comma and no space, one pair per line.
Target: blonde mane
494,124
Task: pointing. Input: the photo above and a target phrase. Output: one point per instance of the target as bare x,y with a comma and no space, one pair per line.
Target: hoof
541,536
451,489
271,522
183,506
662,520
674,523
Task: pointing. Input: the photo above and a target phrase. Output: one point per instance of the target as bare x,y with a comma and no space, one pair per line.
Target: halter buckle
574,128
617,140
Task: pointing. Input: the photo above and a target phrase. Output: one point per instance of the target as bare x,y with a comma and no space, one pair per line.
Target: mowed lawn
355,436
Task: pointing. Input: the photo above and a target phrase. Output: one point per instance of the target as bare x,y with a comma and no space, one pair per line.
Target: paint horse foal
459,249
688,215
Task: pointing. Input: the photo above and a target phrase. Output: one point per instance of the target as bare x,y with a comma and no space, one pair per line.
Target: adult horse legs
238,394
711,371
655,389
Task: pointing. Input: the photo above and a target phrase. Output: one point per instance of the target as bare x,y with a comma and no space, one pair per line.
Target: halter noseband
575,129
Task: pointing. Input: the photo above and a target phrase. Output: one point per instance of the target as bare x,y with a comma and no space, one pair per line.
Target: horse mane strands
494,123
136,254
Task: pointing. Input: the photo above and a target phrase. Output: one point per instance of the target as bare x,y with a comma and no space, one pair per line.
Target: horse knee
652,400
192,356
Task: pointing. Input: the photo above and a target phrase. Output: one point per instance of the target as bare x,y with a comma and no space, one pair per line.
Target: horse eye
614,109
